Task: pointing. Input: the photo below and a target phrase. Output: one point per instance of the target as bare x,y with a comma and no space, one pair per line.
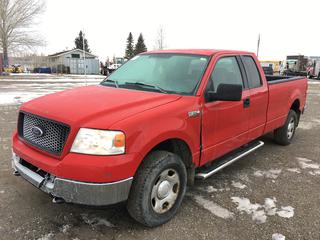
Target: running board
228,159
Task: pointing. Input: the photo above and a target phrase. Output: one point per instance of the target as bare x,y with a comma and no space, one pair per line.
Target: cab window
253,75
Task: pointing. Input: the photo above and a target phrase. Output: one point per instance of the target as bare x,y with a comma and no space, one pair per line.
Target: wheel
284,135
158,189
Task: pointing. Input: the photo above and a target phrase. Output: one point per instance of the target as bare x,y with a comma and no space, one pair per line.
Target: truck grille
45,134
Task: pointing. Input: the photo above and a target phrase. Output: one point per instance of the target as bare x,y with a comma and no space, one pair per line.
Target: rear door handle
246,103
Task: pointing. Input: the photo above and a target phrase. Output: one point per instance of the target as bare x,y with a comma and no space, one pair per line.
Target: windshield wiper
115,83
142,84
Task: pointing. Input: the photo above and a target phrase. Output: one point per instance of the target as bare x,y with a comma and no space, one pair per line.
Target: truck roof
207,52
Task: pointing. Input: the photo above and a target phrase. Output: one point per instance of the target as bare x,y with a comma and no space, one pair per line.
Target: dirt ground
269,194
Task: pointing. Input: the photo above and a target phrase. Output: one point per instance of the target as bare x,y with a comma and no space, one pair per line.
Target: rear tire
285,134
158,189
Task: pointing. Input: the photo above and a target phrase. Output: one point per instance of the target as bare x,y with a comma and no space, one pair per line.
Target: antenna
258,46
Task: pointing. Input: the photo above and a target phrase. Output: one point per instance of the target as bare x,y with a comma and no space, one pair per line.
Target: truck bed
283,91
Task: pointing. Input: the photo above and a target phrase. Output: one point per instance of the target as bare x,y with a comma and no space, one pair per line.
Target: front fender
146,130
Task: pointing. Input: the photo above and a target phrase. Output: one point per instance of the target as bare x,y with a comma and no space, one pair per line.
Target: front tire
285,134
158,189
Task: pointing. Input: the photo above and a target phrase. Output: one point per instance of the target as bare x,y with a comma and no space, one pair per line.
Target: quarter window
226,71
253,75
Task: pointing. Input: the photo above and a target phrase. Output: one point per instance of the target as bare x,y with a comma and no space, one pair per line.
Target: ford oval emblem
37,131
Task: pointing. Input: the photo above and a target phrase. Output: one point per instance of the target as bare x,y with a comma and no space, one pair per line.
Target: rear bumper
96,194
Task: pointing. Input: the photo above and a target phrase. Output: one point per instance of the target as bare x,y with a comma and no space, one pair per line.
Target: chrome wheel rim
165,191
291,128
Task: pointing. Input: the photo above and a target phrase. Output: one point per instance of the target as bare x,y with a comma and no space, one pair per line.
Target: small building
74,62
30,62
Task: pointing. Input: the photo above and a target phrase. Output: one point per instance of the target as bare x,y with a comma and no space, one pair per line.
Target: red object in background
149,118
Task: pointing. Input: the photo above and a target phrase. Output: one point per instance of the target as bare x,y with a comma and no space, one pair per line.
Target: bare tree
17,19
160,43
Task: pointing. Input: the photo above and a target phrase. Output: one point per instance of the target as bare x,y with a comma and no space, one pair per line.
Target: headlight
99,142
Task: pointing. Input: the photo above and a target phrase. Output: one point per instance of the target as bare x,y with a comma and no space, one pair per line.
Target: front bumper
96,194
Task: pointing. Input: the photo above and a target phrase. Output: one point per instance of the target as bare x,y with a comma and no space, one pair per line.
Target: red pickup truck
154,125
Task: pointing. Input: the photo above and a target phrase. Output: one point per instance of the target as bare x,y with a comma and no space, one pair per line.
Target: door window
226,71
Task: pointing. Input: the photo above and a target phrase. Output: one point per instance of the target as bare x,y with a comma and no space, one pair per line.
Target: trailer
300,65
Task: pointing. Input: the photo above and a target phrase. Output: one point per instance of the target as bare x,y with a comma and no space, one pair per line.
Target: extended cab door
224,123
258,100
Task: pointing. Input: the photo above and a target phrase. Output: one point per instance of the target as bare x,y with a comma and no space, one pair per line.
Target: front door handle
246,103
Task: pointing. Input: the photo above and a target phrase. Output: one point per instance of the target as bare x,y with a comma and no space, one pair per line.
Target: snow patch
294,170
211,189
260,212
214,208
286,212
272,173
47,236
314,173
238,185
307,163
96,221
2,191
65,228
278,236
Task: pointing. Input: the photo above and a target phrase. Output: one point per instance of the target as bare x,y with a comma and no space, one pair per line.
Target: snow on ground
278,236
238,185
211,189
47,236
260,212
18,93
294,170
65,228
272,173
307,163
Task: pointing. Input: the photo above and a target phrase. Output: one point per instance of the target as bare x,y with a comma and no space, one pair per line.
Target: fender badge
193,113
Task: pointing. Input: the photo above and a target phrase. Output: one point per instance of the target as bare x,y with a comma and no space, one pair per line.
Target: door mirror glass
225,92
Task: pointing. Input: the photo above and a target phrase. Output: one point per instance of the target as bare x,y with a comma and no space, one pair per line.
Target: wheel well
296,106
181,148
178,147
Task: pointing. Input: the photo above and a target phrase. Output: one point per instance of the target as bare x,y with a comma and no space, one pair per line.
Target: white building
72,61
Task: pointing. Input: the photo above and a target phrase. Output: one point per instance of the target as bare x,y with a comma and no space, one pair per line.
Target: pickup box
148,130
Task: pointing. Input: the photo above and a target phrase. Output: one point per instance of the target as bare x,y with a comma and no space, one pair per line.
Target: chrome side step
229,159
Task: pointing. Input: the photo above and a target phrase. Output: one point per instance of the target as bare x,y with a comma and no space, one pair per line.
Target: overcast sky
286,27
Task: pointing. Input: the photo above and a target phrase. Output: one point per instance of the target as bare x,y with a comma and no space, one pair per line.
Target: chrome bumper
96,194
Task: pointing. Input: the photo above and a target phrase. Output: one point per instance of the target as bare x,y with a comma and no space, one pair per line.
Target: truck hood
86,106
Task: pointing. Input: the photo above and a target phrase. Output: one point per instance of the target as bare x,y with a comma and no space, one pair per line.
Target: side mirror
225,92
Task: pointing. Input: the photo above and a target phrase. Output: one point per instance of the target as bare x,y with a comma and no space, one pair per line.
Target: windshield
167,73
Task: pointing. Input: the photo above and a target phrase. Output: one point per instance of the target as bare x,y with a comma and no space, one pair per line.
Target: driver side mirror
225,92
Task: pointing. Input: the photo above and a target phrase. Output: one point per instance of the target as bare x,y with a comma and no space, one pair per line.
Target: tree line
134,49
131,49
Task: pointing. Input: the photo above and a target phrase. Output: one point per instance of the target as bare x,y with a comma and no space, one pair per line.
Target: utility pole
84,58
258,45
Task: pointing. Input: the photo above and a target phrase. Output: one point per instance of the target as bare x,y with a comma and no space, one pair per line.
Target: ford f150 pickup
161,120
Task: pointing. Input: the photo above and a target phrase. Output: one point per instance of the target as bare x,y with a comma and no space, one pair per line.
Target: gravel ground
270,194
